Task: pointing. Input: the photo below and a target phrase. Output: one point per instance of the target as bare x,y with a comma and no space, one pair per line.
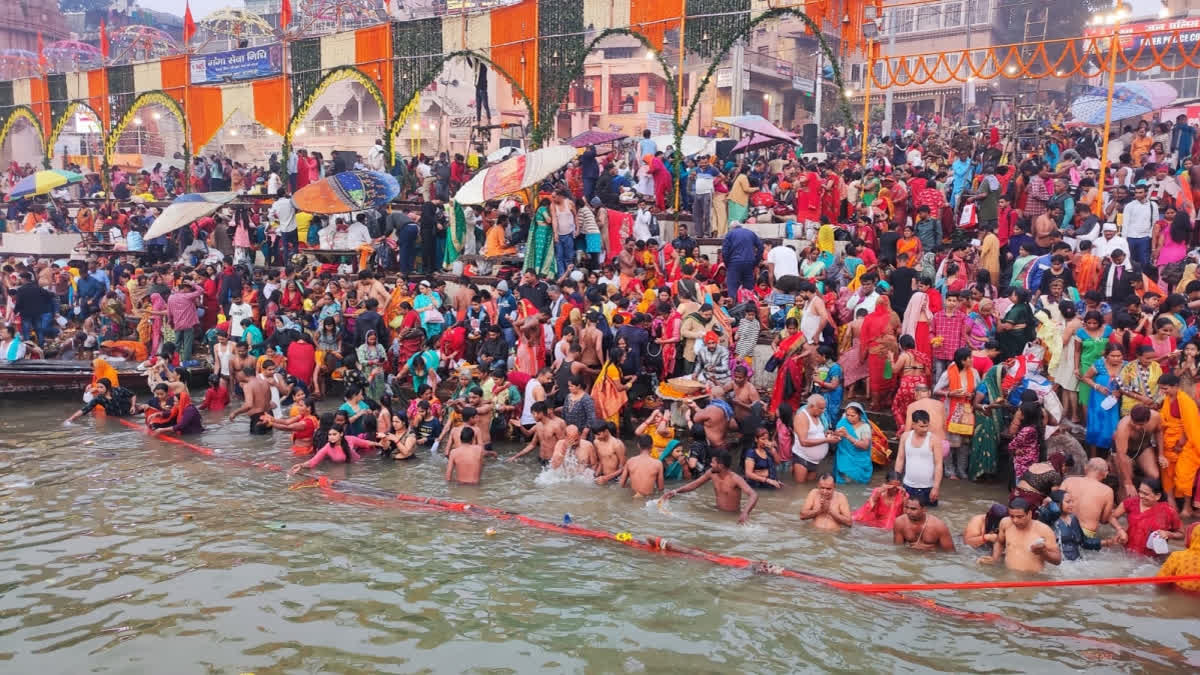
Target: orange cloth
1184,563
130,349
494,243
1179,478
101,369
608,395
1087,273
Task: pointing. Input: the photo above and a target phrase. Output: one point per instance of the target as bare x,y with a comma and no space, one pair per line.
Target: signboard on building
85,123
660,124
237,64
803,83
725,79
1153,33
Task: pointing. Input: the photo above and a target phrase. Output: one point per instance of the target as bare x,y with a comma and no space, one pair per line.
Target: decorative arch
58,124
547,120
334,75
143,100
22,112
403,112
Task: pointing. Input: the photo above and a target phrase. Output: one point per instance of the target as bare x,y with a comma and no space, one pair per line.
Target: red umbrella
593,138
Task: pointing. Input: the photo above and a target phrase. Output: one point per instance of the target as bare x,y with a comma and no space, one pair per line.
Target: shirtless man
461,300
547,431
238,362
715,418
642,473
591,342
482,424
610,451
470,420
1139,438
826,507
1094,499
367,286
728,487
585,452
743,396
466,459
626,260
258,400
921,531
937,414
1025,543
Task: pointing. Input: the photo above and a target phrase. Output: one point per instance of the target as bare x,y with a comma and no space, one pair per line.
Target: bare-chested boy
715,418
547,431
937,414
466,459
642,473
728,487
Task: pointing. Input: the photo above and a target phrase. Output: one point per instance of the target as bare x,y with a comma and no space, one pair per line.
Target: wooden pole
679,112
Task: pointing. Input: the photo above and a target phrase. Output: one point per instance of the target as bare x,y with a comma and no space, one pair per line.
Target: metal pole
968,97
737,65
1114,44
887,94
820,80
866,132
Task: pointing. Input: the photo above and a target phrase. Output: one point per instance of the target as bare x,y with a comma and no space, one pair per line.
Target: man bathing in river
547,431
584,451
728,487
610,451
258,400
642,473
921,531
826,507
1093,499
1025,543
466,459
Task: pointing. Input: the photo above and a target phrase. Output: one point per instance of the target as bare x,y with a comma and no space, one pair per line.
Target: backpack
655,230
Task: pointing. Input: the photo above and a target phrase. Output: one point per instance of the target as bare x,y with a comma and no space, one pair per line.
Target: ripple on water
130,554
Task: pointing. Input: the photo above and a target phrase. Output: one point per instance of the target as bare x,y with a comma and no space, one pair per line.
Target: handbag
962,420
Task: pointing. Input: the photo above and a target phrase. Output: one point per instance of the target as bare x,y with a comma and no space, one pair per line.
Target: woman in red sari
878,337
831,196
670,341
789,381
1147,512
914,368
531,347
211,307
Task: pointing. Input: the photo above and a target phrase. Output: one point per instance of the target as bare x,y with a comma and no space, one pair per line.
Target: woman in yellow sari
609,391
883,202
910,244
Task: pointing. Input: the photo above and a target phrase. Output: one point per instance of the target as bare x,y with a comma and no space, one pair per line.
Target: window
904,21
620,52
979,11
855,72
952,15
929,18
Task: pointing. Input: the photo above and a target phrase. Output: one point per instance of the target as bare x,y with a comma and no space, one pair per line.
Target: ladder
1036,20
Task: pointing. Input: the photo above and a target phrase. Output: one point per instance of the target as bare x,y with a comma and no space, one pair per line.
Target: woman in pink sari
670,341
916,322
158,310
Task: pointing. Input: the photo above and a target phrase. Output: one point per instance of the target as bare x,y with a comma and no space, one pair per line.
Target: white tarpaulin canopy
690,145
514,174
186,209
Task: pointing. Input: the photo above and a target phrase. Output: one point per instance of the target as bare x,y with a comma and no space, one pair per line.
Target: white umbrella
186,209
514,174
690,145
503,154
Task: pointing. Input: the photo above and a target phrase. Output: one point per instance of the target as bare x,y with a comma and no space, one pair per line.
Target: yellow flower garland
21,112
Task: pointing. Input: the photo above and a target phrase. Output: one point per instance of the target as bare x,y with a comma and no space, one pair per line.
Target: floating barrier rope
358,493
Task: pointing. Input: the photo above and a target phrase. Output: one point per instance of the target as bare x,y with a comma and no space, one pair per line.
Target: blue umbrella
1129,100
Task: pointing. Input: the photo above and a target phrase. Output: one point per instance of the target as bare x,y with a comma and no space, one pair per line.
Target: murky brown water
104,571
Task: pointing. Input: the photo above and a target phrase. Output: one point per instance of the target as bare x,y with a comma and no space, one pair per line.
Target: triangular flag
103,41
285,15
189,25
41,52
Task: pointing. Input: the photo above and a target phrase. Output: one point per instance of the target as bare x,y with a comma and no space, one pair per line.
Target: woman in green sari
1020,265
540,255
1090,341
1017,327
989,420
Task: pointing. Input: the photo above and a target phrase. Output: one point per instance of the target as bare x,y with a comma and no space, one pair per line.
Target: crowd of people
1003,316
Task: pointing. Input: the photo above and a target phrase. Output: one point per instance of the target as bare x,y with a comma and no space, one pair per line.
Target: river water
125,554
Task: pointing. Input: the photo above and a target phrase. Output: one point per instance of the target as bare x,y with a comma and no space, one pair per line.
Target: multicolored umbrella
42,182
186,209
1131,99
514,174
756,124
593,138
347,191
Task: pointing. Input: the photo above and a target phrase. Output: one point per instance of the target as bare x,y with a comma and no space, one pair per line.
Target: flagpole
285,18
189,29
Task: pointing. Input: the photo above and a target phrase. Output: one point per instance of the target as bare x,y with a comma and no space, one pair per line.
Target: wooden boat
49,376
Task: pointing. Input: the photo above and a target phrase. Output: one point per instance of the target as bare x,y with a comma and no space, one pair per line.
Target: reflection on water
126,554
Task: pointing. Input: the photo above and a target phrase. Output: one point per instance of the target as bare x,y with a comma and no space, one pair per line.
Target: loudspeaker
810,138
724,147
510,142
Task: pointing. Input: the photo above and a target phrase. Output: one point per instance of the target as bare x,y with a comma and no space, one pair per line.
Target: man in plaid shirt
1038,195
950,325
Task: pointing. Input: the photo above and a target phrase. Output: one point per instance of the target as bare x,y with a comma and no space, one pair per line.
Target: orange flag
41,52
285,14
189,25
103,41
